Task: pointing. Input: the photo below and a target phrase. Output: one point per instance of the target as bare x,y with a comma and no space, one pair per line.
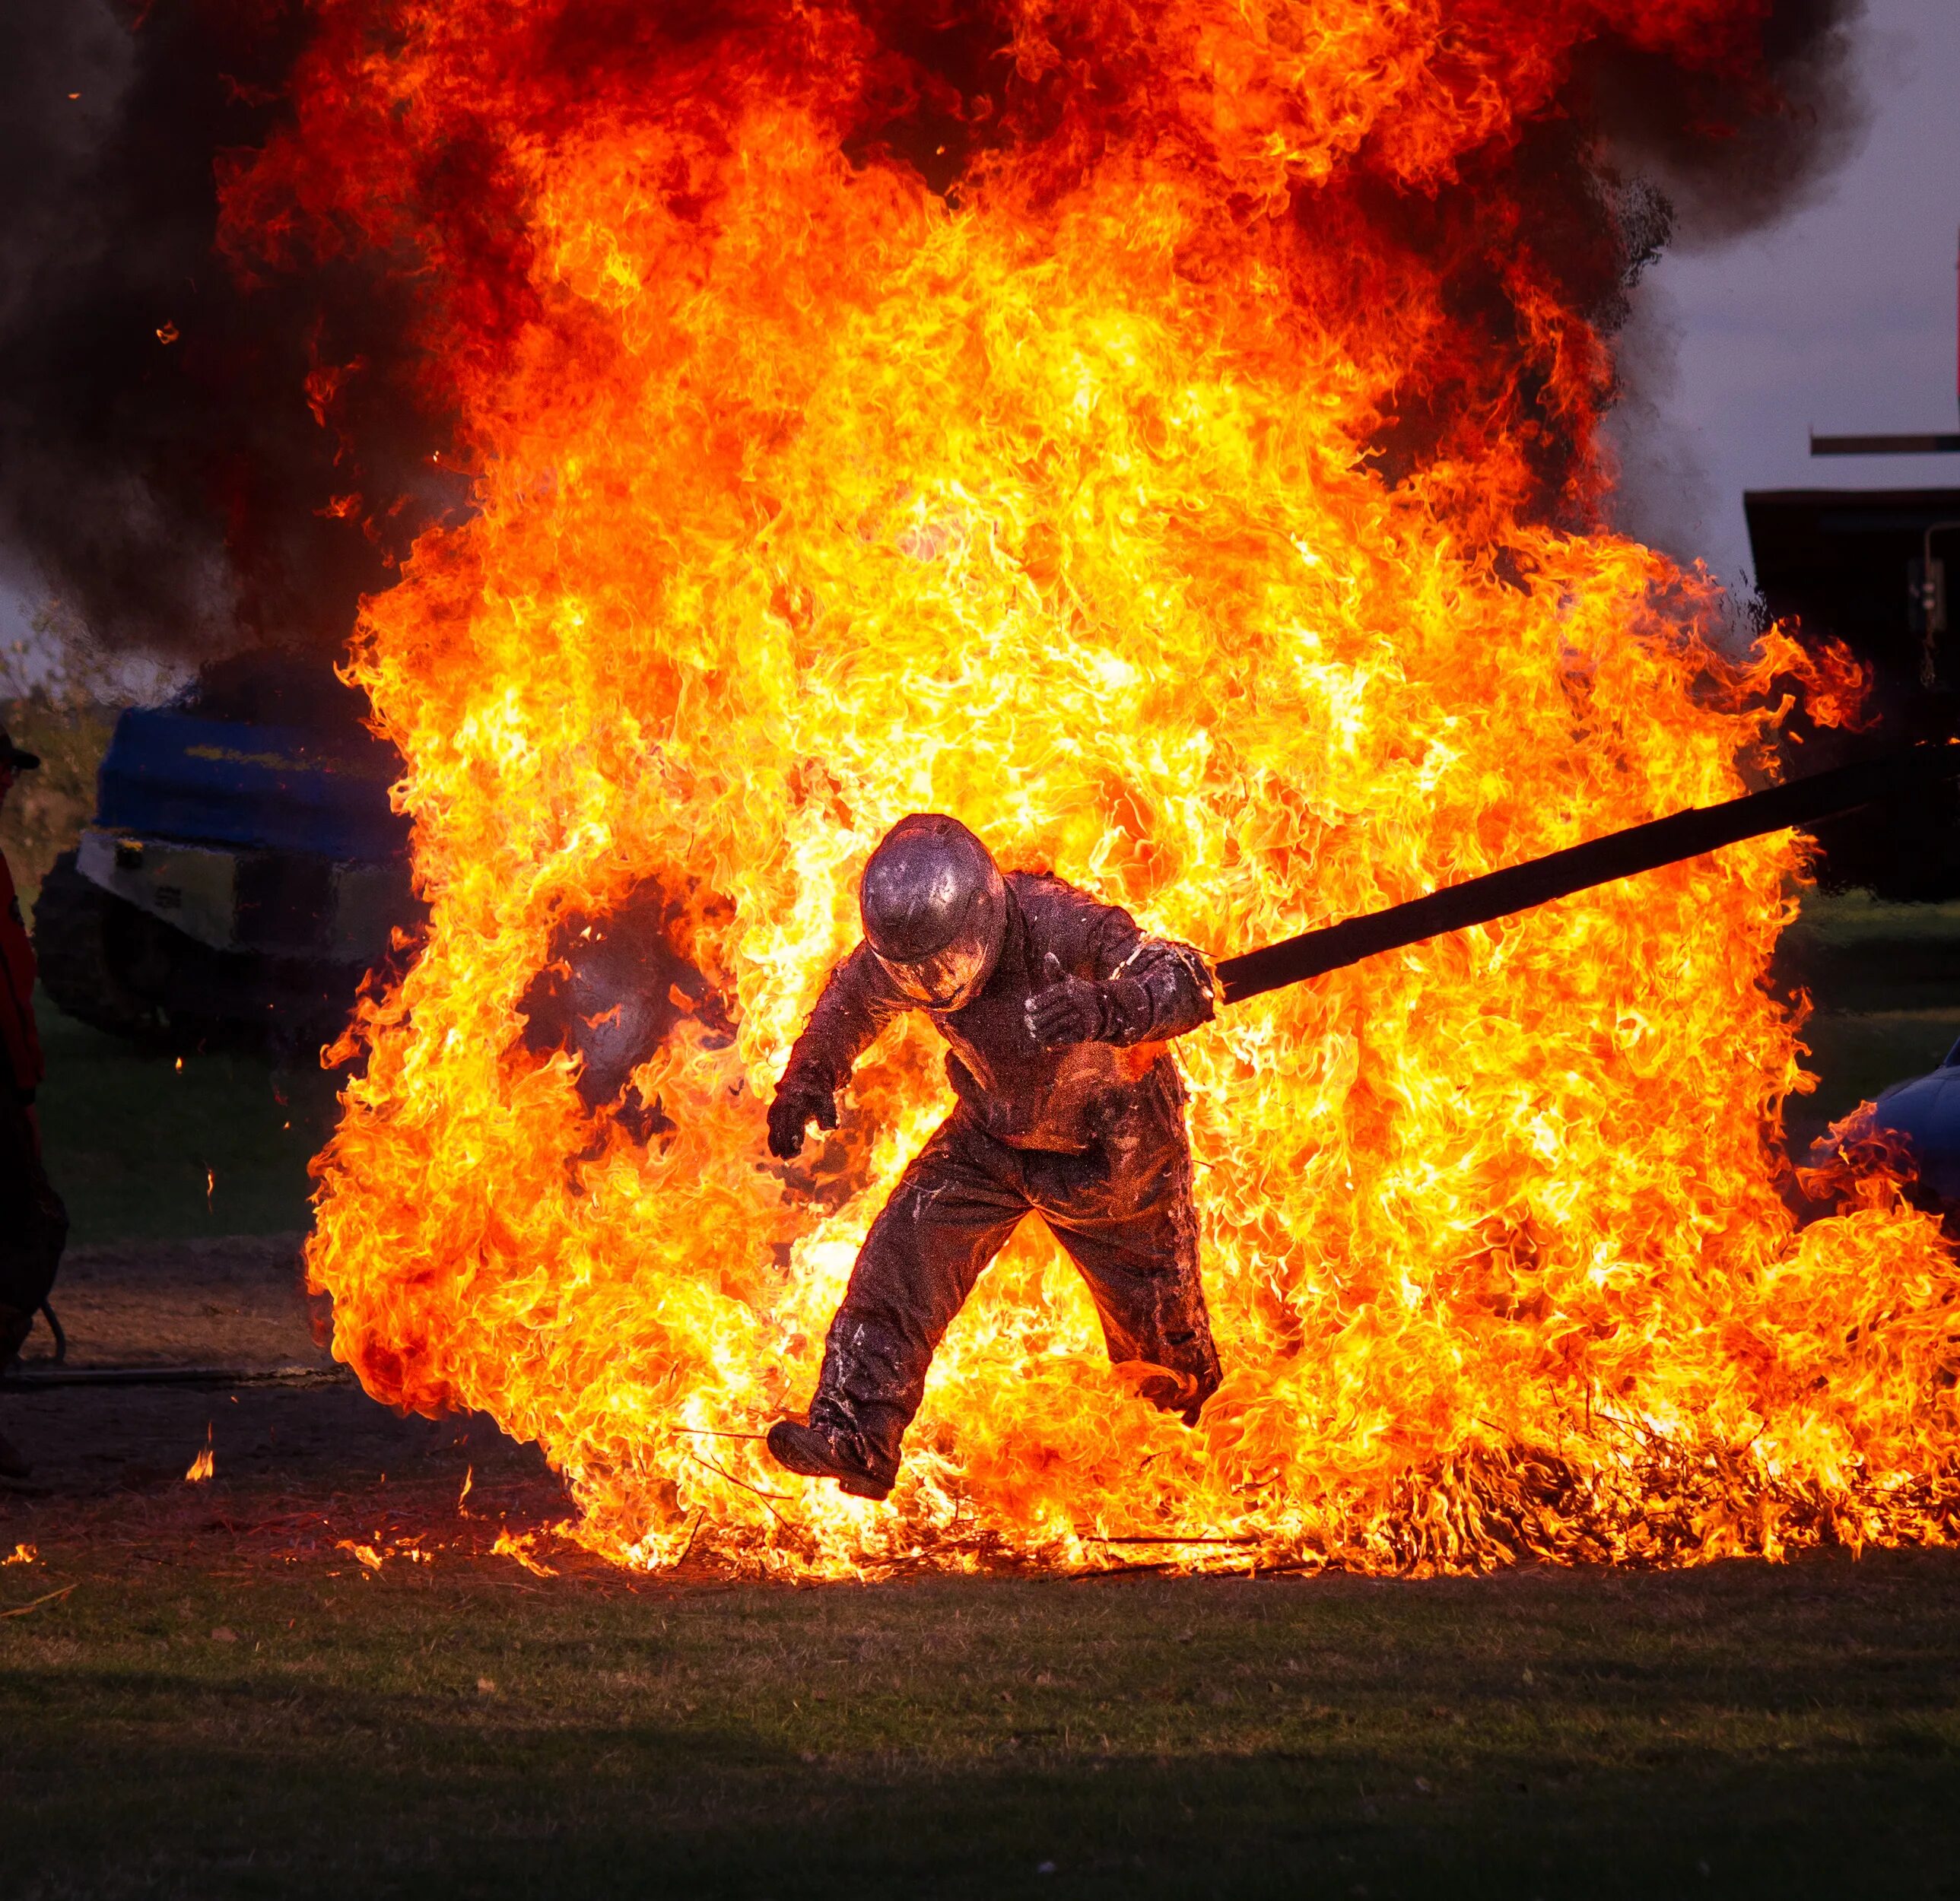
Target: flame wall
1197,495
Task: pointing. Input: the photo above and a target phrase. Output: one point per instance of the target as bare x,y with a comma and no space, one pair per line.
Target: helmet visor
947,978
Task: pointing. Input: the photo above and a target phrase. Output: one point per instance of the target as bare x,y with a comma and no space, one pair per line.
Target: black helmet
935,909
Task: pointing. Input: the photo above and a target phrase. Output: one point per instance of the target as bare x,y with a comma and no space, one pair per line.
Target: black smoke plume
163,464
195,458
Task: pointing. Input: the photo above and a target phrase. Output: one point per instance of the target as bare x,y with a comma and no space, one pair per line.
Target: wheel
76,924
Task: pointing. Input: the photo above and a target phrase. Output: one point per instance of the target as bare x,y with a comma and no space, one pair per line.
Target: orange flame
204,1465
373,1557
522,1546
806,497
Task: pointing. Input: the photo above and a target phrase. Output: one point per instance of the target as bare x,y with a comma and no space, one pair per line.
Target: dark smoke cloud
1760,164
161,462
1641,154
183,492
1730,163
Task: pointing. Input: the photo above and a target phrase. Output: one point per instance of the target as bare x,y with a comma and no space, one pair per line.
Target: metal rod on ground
1599,861
28,1380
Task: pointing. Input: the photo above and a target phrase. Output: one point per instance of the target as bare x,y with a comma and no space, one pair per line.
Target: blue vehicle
243,870
1922,1116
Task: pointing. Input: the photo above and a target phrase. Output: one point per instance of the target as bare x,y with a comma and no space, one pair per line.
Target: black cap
14,756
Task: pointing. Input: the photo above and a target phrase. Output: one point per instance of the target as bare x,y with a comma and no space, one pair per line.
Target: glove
1070,1010
797,1105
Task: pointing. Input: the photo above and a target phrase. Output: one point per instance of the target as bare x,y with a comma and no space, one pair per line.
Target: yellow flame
204,1465
522,1546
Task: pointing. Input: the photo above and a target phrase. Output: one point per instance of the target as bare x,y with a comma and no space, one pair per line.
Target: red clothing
20,1042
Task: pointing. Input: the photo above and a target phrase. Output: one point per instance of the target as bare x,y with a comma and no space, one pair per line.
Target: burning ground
355,1657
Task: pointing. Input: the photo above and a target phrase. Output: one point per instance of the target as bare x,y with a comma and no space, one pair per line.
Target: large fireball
1130,478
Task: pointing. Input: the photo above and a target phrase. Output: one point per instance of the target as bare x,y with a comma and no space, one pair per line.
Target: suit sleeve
1154,988
857,1002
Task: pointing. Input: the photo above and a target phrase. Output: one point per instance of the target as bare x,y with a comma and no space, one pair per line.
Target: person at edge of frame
1058,1009
34,1224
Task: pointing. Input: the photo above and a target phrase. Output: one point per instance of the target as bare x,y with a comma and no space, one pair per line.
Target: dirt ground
173,1346
238,1301
355,1658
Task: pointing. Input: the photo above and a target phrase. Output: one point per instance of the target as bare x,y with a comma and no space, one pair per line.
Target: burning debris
1165,441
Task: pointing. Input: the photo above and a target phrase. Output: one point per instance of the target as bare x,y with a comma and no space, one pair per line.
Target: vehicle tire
74,923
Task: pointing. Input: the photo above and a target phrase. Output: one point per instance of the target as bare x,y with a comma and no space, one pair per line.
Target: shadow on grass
1750,1732
643,1808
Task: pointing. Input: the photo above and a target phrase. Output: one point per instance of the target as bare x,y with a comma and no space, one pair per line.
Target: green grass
1748,1729
143,1148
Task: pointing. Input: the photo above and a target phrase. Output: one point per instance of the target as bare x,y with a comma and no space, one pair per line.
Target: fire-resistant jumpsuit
1091,1137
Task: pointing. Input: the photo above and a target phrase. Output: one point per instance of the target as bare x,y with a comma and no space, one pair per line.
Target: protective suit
1057,1009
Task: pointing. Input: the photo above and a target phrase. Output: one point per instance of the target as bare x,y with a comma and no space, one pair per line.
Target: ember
522,1546
1185,474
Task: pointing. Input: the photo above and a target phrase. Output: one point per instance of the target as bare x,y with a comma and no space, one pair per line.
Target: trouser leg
1125,1215
951,1213
33,1228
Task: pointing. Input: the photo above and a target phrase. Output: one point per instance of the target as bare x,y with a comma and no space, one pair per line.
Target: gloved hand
798,1103
1069,1010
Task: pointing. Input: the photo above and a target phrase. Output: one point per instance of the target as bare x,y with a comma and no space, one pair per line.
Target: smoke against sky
1840,317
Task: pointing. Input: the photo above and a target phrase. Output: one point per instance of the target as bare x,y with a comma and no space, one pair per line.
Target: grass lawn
149,1145
467,1730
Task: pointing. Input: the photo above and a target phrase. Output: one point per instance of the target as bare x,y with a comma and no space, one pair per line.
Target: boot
1169,1390
815,1452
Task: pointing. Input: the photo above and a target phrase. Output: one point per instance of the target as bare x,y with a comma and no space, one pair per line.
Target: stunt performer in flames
1058,1009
